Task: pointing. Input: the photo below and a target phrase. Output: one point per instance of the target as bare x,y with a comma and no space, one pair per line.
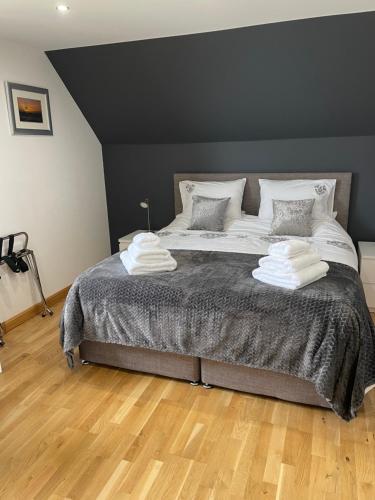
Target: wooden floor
97,432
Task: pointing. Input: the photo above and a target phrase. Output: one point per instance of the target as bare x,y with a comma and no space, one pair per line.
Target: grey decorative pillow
292,217
208,214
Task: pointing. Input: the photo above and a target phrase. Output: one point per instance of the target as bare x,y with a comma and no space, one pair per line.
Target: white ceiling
92,22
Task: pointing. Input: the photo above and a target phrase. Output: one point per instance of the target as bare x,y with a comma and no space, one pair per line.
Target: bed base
210,373
262,382
141,360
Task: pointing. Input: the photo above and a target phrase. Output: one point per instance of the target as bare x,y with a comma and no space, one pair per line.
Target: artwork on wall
29,110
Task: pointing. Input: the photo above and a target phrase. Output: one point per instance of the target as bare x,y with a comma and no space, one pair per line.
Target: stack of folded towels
145,256
290,264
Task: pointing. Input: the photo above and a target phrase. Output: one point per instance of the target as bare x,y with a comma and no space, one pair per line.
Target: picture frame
29,109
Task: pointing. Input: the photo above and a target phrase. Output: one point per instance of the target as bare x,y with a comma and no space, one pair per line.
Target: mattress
251,235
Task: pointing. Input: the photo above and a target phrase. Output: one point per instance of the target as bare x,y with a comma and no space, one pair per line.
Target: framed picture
29,109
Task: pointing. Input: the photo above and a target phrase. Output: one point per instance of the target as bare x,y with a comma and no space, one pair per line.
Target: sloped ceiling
94,22
309,78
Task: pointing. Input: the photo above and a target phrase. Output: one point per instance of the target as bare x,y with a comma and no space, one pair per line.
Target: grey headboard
251,198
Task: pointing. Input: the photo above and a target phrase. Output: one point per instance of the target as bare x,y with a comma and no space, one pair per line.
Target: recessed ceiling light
62,8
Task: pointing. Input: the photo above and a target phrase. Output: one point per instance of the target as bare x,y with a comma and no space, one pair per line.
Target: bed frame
210,372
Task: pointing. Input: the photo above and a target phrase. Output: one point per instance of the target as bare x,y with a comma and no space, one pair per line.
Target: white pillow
227,189
322,190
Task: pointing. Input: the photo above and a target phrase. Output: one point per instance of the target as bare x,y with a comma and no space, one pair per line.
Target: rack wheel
207,386
47,311
84,362
2,343
194,383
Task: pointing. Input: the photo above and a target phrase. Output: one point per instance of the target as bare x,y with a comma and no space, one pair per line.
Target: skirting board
32,311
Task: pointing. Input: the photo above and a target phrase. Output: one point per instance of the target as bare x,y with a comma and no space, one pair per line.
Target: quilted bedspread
211,307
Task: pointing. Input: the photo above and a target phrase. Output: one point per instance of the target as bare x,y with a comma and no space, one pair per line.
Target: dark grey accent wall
296,96
133,172
308,78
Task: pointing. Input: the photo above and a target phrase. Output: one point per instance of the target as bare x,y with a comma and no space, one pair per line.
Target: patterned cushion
292,217
208,214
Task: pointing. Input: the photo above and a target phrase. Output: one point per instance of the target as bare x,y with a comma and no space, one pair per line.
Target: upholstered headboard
251,198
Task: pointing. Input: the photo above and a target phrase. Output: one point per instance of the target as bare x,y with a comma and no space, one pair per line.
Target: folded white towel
147,255
146,240
288,248
295,280
135,267
288,265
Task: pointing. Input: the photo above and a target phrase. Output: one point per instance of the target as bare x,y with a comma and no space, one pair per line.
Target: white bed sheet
251,235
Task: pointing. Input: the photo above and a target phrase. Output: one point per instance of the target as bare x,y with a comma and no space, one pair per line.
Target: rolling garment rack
22,261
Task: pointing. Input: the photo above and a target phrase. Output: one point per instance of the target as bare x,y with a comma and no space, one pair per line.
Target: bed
247,237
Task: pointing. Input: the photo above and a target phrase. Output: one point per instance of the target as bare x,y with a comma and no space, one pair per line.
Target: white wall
50,186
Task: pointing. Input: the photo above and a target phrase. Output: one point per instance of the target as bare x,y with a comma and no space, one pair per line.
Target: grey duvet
211,307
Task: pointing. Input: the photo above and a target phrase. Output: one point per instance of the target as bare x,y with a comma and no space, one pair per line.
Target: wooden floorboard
97,432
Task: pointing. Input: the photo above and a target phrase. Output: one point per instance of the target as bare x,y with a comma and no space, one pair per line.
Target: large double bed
210,321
